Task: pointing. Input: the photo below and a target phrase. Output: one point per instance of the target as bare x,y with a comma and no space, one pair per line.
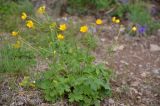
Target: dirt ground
136,78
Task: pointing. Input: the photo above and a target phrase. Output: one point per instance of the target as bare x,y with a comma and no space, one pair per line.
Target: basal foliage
73,75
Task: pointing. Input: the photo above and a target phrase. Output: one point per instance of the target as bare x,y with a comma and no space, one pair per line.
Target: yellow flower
30,24
17,45
14,33
99,21
23,16
41,10
63,27
117,21
60,37
113,19
83,29
134,28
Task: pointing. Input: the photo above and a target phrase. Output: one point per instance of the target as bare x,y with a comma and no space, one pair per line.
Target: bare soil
136,75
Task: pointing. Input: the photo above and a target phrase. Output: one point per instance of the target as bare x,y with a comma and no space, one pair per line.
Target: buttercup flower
23,16
17,45
30,24
117,21
99,21
134,28
41,10
60,37
63,27
14,33
113,19
83,29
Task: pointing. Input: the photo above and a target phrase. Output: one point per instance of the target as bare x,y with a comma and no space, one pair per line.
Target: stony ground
136,72
136,64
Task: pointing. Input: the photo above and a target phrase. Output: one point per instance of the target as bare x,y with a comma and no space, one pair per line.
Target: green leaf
75,97
97,103
52,93
97,71
49,98
48,74
45,84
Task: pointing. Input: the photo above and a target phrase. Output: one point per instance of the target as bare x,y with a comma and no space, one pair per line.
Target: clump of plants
74,76
9,10
84,6
72,73
138,13
16,60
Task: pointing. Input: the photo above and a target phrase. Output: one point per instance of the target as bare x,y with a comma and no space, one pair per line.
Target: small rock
156,71
154,48
131,73
122,105
107,63
140,66
133,91
103,39
144,74
135,84
138,97
118,90
116,38
124,62
116,48
111,101
44,104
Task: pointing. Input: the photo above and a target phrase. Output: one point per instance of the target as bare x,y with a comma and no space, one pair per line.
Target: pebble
103,39
124,62
156,71
122,105
154,48
144,74
111,101
135,84
116,48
